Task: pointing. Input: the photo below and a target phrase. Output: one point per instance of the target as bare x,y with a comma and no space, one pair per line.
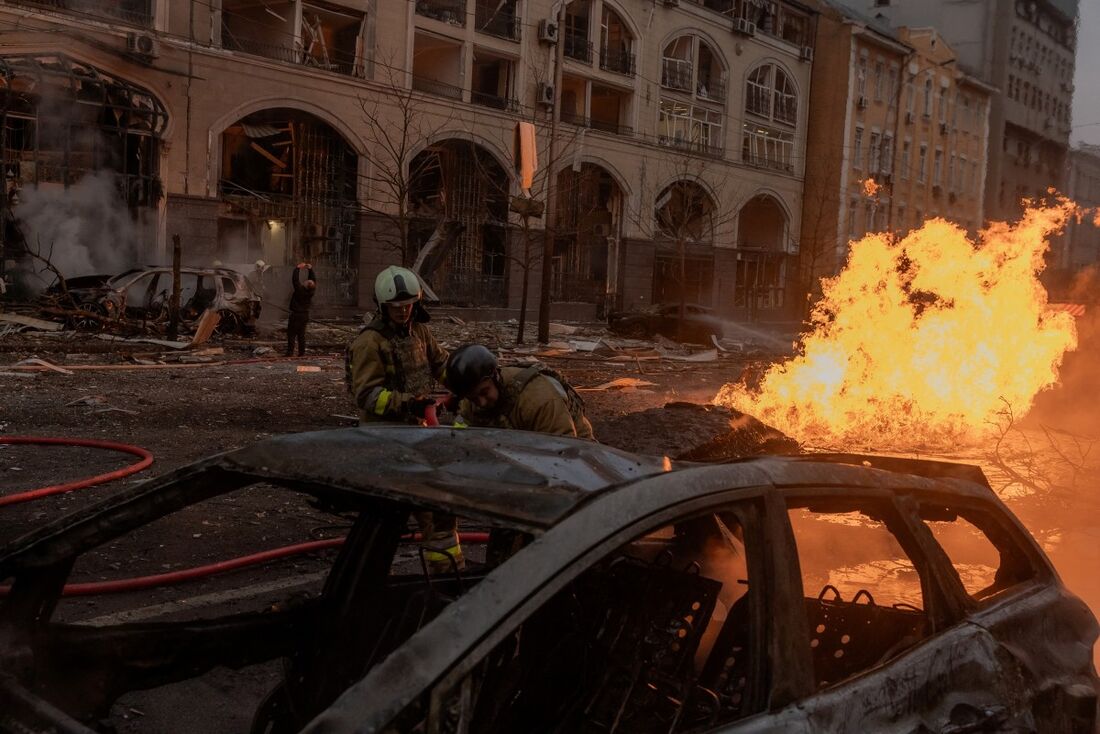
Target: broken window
498,18
458,202
760,279
289,187
987,558
63,120
864,595
308,34
437,66
578,43
657,636
588,220
492,85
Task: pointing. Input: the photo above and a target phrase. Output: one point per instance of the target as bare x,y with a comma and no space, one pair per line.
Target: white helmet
397,286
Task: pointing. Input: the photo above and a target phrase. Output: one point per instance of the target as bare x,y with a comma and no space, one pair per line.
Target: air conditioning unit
548,31
910,118
546,94
862,102
744,26
807,53
143,44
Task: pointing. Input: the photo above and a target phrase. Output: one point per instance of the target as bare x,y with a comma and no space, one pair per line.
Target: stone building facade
364,132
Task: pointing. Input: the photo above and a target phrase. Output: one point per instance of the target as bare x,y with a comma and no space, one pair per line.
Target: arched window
692,120
616,44
771,106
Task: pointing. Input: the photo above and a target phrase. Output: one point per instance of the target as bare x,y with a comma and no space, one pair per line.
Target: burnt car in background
143,294
699,323
617,593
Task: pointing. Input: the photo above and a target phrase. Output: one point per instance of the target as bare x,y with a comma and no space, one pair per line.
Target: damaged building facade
361,133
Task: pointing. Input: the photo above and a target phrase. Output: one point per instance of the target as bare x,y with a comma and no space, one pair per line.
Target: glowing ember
870,188
922,340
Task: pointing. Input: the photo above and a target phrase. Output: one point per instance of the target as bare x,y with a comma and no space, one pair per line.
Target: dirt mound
693,432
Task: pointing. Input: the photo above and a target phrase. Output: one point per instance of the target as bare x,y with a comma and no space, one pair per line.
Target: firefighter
300,300
391,369
531,398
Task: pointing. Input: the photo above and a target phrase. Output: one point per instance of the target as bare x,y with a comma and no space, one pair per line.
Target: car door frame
886,688
439,656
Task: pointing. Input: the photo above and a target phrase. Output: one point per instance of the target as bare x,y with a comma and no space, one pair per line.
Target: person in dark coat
300,301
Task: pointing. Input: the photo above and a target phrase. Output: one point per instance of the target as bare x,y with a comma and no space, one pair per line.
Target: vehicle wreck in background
617,593
142,296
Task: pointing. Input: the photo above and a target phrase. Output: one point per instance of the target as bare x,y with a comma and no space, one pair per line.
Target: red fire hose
172,577
14,499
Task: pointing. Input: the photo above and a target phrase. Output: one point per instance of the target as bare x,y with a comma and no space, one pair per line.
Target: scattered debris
144,340
204,329
261,351
30,322
35,361
308,368
562,329
87,400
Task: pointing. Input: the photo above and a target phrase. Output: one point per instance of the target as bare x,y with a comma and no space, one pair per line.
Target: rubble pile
694,432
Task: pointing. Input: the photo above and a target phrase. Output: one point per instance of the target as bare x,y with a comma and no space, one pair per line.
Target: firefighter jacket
533,398
385,367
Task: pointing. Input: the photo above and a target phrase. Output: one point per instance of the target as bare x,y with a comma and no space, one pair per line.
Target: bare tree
682,206
396,122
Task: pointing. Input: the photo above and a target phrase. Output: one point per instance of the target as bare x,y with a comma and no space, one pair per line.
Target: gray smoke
84,229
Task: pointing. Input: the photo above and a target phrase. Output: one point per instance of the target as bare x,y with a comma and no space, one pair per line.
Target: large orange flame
922,340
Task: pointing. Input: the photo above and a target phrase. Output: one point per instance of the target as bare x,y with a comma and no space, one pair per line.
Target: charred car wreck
142,296
617,593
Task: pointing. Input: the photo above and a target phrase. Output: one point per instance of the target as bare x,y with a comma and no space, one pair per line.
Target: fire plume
870,188
922,340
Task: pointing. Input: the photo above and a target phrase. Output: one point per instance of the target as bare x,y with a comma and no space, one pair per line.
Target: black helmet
468,366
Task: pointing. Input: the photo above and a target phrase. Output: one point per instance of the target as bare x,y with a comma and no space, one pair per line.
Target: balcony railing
133,12
448,11
577,46
288,53
618,61
692,146
496,101
437,88
711,89
676,74
496,20
593,124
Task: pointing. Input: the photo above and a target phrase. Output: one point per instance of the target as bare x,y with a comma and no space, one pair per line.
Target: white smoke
85,229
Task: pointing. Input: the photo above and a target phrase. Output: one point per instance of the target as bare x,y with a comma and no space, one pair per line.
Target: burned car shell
1022,661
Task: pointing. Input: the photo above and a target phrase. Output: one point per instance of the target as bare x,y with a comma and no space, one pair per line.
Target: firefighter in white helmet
391,369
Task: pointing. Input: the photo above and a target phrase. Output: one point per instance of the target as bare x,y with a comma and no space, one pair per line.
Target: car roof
532,478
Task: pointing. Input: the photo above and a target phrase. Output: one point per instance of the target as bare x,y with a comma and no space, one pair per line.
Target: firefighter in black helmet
531,398
391,369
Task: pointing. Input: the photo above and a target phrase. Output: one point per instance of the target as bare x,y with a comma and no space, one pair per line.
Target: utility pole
551,184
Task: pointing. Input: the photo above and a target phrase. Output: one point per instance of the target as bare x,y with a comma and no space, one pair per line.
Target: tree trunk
174,303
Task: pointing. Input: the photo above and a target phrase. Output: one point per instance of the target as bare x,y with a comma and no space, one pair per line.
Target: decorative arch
458,228
615,173
351,137
761,270
588,221
626,18
502,157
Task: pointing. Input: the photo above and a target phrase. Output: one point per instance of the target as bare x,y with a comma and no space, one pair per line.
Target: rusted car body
618,593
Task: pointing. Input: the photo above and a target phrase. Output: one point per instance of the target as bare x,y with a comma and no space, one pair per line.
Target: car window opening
656,637
864,595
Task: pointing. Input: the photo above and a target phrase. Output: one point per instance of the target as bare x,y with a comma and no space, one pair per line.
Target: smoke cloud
84,229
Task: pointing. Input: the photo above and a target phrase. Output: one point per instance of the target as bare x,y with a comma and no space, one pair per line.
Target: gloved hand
418,405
